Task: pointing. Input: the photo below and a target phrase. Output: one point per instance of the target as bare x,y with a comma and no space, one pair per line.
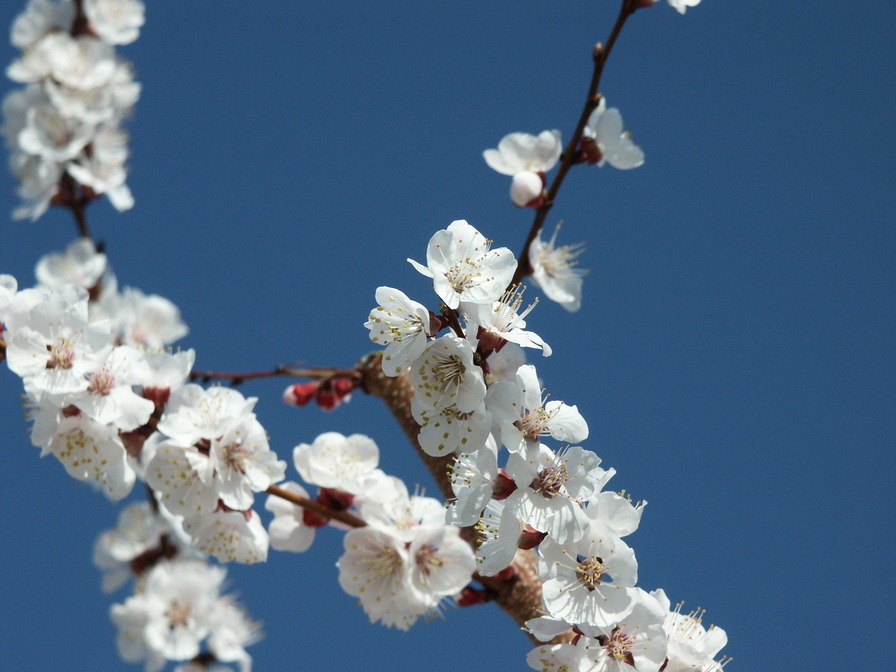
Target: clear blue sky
734,354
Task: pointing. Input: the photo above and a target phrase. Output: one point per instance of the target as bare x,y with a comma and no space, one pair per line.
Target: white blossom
176,608
682,5
525,415
691,645
79,265
288,531
244,464
93,452
137,531
115,21
230,536
518,152
604,140
347,463
39,18
463,268
587,581
551,487
444,375
445,430
472,480
555,270
402,325
110,397
501,322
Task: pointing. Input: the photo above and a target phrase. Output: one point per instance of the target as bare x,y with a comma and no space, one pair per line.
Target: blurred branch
315,372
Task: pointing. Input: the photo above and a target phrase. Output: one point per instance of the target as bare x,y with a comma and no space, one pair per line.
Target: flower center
535,423
387,562
177,614
62,354
550,481
428,559
235,455
101,382
590,571
449,371
462,275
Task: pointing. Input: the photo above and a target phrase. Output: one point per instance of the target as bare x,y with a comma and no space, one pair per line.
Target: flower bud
299,394
526,189
327,398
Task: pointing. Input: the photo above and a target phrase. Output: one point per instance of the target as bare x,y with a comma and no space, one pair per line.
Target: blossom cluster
63,129
473,396
177,611
404,560
114,406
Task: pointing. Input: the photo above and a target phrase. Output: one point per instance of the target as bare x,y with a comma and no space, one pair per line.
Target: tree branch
570,155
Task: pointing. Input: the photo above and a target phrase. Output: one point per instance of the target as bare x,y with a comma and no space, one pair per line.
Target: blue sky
734,355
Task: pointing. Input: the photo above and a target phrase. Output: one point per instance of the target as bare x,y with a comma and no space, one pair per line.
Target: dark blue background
733,356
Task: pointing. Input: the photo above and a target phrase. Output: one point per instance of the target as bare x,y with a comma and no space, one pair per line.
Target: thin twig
317,507
235,378
569,157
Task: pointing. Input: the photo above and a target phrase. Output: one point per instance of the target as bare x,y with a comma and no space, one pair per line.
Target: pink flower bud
343,386
299,394
326,398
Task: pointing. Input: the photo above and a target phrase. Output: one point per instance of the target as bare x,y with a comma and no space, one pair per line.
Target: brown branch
519,596
570,155
315,372
317,507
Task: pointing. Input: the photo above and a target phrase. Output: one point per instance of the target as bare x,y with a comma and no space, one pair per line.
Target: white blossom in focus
196,413
374,568
557,658
472,480
551,487
691,645
498,532
183,479
441,563
525,415
447,429
636,642
244,464
587,581
444,375
463,268
401,514
110,397
402,325
501,322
